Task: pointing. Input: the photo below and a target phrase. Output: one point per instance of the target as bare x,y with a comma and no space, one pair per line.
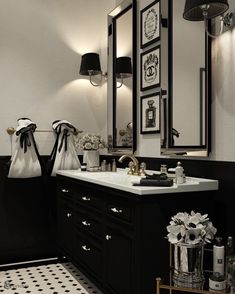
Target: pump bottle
218,256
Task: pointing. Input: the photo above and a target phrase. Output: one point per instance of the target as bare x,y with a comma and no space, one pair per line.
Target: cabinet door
65,232
119,263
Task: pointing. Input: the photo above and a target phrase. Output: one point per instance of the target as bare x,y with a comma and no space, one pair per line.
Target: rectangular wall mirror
122,78
188,110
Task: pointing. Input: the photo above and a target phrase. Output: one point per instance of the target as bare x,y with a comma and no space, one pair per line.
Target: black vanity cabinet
117,238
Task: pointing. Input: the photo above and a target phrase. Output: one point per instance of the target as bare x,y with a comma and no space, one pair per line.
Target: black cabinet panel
65,229
119,262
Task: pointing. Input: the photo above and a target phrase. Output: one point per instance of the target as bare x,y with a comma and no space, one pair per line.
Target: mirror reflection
187,84
123,101
121,90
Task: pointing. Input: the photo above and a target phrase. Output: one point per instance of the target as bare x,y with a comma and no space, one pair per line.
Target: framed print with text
150,69
150,20
150,113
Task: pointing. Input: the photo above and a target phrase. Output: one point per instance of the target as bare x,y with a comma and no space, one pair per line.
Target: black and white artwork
150,24
150,113
150,69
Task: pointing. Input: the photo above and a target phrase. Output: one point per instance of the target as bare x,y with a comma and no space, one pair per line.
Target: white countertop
121,181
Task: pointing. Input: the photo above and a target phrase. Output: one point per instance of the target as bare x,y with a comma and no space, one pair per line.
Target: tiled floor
57,278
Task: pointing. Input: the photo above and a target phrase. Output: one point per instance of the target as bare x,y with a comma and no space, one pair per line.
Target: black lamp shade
194,12
90,64
123,67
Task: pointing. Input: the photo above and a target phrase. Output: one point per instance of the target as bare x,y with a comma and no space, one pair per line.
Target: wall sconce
90,66
198,10
123,68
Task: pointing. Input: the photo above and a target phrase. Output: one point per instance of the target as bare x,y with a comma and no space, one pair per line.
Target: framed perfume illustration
150,113
150,20
150,69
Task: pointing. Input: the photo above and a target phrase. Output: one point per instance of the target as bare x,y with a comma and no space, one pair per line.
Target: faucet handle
131,168
142,169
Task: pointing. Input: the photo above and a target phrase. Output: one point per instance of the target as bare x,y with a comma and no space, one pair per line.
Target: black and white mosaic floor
59,278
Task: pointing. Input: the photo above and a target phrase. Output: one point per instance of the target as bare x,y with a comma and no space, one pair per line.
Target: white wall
223,98
40,50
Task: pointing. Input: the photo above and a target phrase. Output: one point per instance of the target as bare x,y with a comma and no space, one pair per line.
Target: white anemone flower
192,236
180,217
176,233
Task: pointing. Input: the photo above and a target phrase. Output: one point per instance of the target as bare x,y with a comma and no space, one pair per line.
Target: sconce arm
101,76
120,84
224,21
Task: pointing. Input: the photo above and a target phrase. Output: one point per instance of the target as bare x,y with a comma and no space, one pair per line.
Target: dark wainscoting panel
27,217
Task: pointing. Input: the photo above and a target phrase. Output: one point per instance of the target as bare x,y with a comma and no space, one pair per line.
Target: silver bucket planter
188,265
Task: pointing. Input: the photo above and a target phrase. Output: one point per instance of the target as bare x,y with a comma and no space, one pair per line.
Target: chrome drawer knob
84,198
108,237
69,215
85,248
65,191
115,210
85,223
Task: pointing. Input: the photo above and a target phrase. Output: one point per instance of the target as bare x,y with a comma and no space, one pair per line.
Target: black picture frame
150,67
150,113
150,22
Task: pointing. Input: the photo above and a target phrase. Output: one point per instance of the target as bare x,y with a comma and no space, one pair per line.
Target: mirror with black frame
122,78
187,111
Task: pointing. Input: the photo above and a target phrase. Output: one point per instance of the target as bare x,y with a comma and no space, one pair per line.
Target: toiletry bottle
163,169
103,165
218,256
83,166
179,173
109,167
114,166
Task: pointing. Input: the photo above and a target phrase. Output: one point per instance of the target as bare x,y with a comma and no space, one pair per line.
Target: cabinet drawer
89,254
88,199
65,190
88,224
120,211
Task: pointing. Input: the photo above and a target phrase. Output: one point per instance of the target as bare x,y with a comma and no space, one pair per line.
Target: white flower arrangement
191,229
91,142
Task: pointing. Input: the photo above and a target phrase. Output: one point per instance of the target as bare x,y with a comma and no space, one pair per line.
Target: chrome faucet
134,167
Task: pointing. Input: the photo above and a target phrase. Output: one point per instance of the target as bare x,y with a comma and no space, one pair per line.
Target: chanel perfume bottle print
150,115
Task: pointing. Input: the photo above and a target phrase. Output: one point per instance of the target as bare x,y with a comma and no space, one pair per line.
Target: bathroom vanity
115,232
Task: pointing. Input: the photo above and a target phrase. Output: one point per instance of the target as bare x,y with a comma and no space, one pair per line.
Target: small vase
91,158
188,265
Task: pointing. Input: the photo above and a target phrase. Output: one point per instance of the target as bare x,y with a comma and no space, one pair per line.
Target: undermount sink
122,181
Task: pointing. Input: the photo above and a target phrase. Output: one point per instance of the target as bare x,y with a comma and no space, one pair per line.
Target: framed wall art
150,113
150,20
150,69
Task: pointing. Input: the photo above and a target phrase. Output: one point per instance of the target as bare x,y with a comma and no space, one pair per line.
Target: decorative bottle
179,173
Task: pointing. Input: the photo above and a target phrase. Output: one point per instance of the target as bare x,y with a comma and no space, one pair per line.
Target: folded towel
156,176
154,182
